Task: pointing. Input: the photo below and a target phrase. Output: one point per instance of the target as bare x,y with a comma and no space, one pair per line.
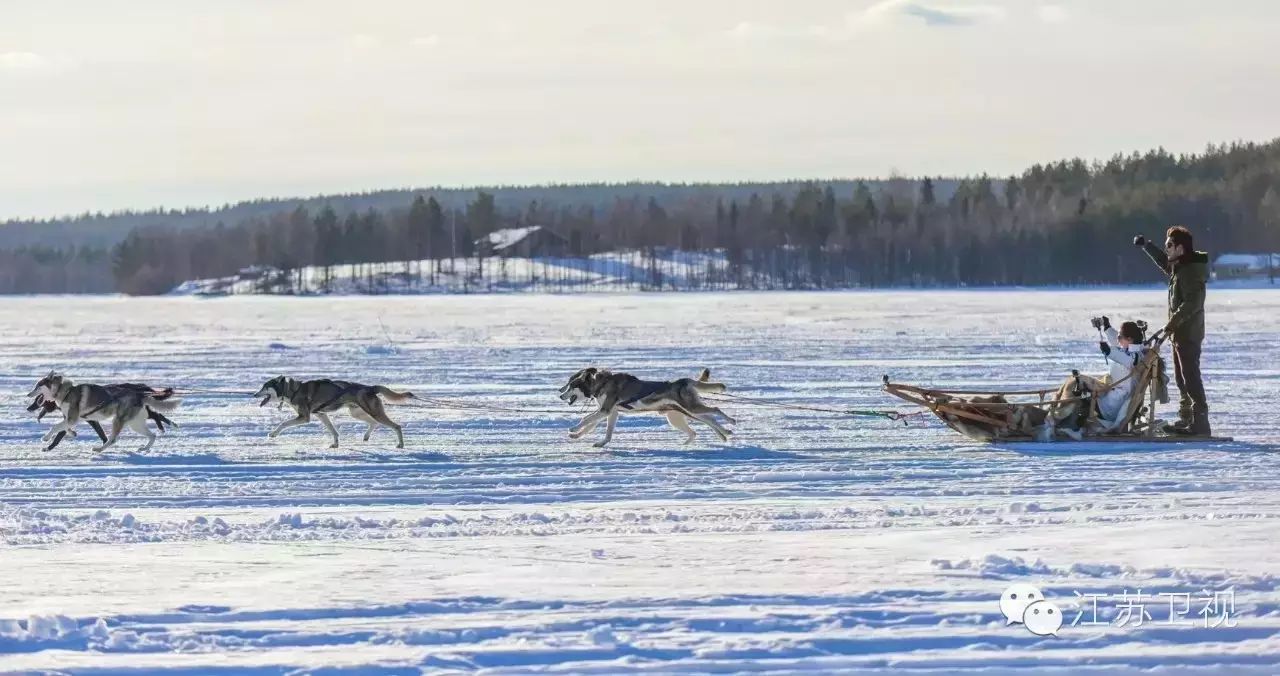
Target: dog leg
300,420
70,417
594,423
58,431
116,425
399,430
97,427
608,431
383,420
583,423
359,414
159,420
139,425
703,408
61,428
56,440
379,414
678,421
711,422
587,424
324,420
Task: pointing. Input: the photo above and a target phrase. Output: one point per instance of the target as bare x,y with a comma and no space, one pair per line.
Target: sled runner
1051,414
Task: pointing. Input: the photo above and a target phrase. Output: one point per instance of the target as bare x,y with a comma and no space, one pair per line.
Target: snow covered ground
610,272
811,542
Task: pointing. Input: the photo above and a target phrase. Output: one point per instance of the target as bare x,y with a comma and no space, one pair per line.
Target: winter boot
1200,422
1199,426
1182,424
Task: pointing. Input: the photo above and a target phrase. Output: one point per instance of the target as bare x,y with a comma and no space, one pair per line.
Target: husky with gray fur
45,407
123,406
618,393
324,396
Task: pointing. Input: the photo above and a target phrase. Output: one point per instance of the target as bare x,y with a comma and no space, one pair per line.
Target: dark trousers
1186,372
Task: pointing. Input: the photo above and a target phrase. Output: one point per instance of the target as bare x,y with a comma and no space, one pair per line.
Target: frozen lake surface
809,542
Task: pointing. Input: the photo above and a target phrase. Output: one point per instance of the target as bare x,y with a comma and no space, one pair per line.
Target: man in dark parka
1188,271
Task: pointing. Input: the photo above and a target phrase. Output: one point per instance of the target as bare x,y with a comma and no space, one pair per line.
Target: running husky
321,397
46,407
623,393
123,406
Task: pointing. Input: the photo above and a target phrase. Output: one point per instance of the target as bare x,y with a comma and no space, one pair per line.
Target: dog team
131,405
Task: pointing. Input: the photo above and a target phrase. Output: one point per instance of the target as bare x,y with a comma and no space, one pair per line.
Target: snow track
810,542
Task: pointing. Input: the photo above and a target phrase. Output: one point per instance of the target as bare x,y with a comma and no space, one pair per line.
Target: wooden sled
999,416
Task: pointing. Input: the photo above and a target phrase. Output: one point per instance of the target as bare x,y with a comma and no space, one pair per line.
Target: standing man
1188,271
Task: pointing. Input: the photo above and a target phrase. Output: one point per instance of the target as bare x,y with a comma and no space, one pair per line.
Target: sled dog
125,405
618,393
325,396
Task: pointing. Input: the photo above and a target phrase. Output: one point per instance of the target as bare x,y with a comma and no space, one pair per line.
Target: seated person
1111,393
1124,350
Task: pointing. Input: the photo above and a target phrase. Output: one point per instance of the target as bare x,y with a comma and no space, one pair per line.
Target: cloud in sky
882,15
932,14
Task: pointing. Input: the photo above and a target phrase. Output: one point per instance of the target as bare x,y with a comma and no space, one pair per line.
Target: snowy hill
665,269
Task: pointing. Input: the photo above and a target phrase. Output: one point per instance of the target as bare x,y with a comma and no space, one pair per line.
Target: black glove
1106,349
1139,240
1106,323
1096,322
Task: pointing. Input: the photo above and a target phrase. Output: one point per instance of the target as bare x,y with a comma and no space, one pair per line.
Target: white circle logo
1015,600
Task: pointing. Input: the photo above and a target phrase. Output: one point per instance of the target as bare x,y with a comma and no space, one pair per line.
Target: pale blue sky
107,105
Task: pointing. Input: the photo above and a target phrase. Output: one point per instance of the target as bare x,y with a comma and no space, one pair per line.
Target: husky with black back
324,396
126,405
618,393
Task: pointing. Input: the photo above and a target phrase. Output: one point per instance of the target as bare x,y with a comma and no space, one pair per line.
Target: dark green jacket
1187,278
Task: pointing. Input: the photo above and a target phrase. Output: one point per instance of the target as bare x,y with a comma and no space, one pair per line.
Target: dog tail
165,405
710,388
704,384
391,395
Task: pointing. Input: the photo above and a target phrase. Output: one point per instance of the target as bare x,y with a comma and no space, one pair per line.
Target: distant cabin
1246,266
532,242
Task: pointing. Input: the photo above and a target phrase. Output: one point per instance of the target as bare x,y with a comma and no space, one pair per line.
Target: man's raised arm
1155,253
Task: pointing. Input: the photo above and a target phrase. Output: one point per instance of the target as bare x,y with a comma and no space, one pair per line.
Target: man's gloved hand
1139,240
1106,349
1096,322
1106,323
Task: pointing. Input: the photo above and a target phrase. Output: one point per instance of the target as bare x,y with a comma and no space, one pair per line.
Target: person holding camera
1123,350
1187,271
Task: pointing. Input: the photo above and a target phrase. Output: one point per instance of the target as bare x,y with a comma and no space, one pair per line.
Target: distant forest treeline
1066,222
